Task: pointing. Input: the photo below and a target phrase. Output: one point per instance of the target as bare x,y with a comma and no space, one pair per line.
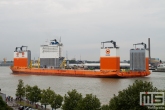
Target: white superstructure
51,54
50,51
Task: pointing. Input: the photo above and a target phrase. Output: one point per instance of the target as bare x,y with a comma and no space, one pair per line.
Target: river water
103,88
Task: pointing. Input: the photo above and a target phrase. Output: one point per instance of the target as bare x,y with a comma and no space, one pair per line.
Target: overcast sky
82,25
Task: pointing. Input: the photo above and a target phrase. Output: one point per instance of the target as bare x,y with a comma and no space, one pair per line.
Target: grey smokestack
149,48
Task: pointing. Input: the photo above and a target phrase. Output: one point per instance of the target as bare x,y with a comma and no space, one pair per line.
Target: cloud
82,24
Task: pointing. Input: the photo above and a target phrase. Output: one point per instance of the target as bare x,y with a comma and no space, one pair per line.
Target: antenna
66,55
34,61
60,39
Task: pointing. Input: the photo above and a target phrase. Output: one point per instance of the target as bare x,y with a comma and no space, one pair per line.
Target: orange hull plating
134,74
82,73
21,62
110,63
147,62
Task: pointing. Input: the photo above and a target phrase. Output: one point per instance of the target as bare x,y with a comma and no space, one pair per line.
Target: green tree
3,105
105,107
90,102
129,99
28,91
33,93
56,101
20,91
71,100
46,96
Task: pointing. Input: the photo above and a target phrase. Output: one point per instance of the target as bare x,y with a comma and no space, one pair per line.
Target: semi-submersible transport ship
52,62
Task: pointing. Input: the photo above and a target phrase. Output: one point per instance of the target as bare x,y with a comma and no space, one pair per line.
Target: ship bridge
50,54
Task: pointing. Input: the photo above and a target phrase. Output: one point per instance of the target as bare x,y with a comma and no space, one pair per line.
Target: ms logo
151,98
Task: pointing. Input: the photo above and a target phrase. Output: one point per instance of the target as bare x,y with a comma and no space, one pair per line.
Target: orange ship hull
80,73
134,74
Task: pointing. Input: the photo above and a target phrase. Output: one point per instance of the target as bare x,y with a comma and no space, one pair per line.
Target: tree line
127,99
72,100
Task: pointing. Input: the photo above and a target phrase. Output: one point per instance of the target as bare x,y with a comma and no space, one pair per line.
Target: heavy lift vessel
51,62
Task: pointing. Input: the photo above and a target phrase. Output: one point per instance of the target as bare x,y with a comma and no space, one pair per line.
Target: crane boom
113,42
22,47
145,46
17,48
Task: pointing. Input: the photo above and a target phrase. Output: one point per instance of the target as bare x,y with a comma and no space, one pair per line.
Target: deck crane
113,42
16,49
22,47
145,46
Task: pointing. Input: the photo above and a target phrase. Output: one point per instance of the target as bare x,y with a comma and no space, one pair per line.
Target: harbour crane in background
4,59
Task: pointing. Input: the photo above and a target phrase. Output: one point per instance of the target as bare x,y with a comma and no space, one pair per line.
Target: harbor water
103,88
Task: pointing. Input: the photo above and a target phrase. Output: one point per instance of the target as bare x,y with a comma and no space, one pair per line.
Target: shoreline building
3,96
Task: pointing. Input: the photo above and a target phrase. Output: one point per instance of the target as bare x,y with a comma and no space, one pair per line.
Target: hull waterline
78,73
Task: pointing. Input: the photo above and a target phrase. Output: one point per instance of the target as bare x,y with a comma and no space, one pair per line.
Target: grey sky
82,25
